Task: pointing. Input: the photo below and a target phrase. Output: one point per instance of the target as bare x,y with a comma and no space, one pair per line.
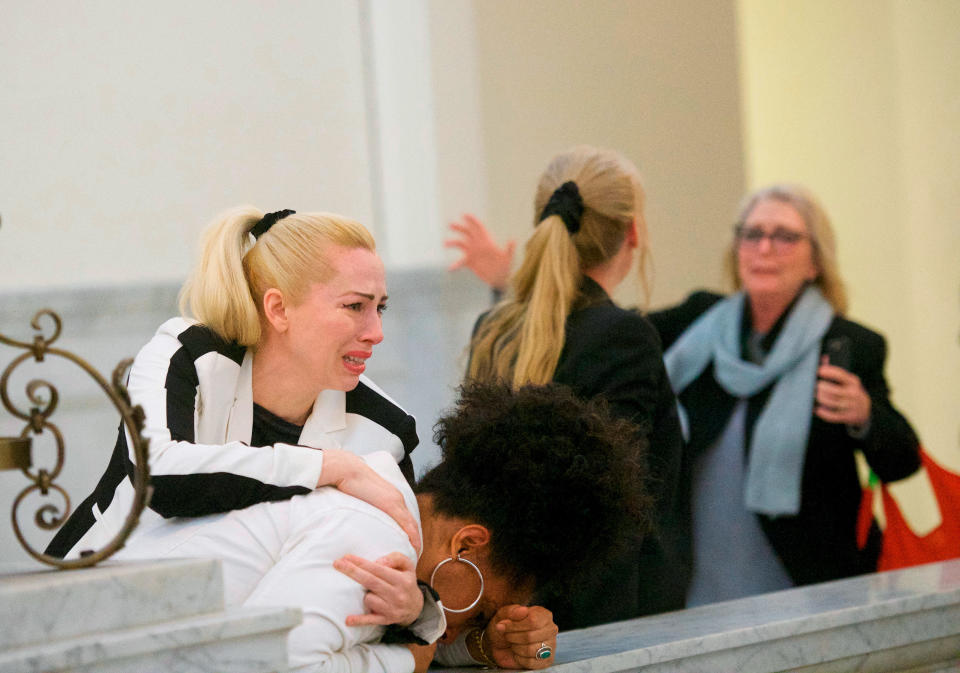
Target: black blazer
819,543
615,354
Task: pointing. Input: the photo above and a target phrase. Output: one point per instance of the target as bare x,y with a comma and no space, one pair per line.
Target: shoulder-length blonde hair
225,290
818,228
521,340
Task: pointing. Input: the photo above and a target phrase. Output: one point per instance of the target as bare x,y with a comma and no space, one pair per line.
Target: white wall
127,126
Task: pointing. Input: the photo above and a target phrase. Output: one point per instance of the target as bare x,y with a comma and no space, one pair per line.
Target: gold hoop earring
472,565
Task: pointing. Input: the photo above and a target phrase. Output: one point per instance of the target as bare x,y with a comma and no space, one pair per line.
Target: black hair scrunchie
267,221
567,203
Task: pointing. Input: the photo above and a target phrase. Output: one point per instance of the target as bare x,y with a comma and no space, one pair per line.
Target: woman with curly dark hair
535,488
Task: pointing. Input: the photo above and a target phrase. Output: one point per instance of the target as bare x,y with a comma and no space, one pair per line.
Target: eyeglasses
780,238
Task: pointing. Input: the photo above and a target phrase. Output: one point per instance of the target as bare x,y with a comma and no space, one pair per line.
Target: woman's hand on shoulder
517,632
392,596
351,475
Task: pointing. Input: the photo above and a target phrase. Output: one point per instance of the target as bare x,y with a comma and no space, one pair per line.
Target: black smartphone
837,351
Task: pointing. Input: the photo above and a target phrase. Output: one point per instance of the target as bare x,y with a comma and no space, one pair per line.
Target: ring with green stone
544,652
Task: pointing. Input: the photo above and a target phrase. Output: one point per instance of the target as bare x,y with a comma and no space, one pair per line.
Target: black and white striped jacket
197,395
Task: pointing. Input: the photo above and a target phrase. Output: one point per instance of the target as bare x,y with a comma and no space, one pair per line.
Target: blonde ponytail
521,341
216,293
522,338
225,290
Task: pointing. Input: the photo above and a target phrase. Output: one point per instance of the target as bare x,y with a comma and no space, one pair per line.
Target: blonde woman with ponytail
558,323
257,393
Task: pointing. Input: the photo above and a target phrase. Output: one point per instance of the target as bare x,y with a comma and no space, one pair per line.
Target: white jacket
197,396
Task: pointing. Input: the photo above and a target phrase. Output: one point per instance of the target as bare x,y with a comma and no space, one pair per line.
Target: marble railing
905,620
169,617
161,617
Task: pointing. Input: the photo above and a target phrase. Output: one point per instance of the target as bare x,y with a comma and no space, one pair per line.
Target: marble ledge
894,621
48,605
242,640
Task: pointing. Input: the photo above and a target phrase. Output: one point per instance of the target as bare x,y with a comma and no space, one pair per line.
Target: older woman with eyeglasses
779,392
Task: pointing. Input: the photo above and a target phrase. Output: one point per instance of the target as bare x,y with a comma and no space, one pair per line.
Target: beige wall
656,80
860,100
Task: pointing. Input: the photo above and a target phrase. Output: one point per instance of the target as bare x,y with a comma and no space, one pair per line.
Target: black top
269,429
615,354
819,543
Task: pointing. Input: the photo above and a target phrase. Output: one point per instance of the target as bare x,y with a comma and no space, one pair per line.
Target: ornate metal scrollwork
43,398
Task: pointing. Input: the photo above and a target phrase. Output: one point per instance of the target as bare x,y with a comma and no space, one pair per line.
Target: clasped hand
516,632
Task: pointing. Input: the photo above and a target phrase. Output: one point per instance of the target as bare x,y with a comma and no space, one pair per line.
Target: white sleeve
431,623
163,380
304,576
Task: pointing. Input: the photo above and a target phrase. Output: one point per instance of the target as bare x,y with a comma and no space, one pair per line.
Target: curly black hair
559,481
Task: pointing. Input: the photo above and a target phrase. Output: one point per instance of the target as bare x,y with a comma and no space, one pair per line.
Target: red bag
902,546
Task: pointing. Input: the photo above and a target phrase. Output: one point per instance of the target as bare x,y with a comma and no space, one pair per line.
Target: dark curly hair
557,480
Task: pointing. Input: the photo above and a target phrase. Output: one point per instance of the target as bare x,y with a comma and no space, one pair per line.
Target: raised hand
481,254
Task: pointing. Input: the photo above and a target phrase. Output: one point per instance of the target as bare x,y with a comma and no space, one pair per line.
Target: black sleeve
891,446
213,493
671,322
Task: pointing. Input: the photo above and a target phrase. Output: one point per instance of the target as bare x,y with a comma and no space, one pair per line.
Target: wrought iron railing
15,452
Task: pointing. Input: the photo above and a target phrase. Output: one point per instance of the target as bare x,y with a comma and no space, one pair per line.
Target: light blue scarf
781,432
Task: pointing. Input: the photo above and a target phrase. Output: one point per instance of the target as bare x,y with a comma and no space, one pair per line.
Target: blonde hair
521,340
819,229
225,290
